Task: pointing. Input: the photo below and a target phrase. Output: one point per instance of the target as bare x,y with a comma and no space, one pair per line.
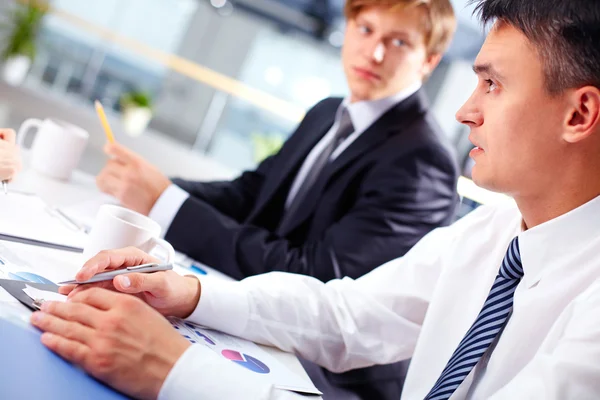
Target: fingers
102,285
71,350
114,167
119,152
155,283
116,177
65,290
109,182
8,172
113,259
10,159
9,135
74,312
67,329
99,298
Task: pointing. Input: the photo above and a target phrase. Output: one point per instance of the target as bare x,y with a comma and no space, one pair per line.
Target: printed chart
22,275
246,361
256,364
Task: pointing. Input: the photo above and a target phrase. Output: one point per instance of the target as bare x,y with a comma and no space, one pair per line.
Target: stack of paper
27,219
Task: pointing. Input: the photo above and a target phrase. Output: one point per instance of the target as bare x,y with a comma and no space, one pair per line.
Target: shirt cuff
167,206
223,306
201,374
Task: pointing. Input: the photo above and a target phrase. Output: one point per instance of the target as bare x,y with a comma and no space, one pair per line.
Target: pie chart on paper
28,277
246,361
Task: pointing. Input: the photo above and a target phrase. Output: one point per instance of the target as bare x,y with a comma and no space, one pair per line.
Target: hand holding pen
164,290
10,159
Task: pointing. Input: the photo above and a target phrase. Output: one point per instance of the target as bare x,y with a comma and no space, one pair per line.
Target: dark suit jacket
389,188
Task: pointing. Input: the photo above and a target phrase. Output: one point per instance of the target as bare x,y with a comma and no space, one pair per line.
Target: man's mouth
367,74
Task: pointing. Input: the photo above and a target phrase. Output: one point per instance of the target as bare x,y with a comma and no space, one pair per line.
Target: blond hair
439,18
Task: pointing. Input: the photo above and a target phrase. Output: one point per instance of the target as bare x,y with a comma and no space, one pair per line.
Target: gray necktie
344,130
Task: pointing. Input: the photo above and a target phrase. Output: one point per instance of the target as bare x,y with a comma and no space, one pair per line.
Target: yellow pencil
104,121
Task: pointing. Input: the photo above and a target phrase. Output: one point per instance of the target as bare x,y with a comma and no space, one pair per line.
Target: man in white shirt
504,304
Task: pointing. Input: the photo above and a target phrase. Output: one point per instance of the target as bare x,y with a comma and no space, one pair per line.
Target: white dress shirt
421,306
363,114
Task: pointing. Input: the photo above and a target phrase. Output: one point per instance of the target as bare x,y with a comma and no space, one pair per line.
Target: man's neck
401,94
537,210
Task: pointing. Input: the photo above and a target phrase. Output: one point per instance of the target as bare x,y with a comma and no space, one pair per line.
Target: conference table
80,189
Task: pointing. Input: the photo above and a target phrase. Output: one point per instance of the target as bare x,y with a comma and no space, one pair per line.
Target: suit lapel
393,122
293,154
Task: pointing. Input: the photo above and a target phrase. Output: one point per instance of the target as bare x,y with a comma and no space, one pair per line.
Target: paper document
27,263
28,219
185,265
43,295
84,213
247,355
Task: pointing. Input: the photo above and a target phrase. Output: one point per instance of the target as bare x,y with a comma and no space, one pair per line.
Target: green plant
136,99
24,22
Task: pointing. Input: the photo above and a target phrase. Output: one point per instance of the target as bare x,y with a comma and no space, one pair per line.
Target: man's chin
481,179
485,181
363,92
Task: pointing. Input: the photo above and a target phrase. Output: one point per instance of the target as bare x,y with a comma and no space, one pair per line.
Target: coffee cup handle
166,246
25,128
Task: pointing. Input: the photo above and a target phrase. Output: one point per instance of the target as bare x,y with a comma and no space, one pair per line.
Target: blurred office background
228,79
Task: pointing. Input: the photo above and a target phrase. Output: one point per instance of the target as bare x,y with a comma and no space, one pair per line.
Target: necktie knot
511,267
345,128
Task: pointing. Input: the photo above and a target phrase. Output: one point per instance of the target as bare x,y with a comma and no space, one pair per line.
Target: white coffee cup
116,227
57,147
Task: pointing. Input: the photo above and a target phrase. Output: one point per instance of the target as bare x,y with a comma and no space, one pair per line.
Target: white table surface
80,188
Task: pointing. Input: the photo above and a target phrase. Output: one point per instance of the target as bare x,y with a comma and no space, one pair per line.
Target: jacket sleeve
398,203
235,198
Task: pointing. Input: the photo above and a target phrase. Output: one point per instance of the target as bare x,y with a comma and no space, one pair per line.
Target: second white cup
117,227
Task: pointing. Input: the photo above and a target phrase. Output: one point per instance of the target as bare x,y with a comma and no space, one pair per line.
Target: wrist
164,362
193,292
155,193
161,186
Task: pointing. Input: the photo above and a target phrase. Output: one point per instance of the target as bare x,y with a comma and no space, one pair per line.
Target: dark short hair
565,33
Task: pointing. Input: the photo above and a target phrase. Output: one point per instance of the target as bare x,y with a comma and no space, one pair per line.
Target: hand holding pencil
10,159
135,182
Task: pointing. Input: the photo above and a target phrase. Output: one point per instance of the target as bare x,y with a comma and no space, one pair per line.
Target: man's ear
583,118
430,64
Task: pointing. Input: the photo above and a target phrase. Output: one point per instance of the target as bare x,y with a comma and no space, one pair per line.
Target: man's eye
398,43
491,85
364,29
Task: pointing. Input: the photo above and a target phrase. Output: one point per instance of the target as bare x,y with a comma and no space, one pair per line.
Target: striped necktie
485,329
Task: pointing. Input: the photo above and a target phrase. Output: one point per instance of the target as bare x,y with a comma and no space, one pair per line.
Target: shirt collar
542,245
364,113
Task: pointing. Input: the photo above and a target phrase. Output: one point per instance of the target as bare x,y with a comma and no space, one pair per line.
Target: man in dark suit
359,182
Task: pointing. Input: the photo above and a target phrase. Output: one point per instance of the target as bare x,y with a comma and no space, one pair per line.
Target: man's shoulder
327,105
413,120
424,139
